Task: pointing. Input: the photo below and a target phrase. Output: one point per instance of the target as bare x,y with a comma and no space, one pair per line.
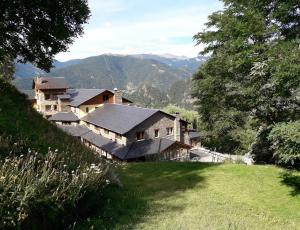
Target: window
87,109
106,131
66,123
156,133
140,135
105,98
47,96
55,107
169,130
48,107
118,136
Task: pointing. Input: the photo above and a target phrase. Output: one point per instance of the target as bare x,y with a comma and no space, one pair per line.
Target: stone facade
158,121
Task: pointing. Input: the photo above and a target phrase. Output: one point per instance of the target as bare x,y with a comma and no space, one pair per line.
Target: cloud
152,32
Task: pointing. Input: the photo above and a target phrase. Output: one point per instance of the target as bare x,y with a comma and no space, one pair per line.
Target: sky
142,26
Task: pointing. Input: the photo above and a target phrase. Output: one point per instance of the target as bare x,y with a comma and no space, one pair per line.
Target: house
107,122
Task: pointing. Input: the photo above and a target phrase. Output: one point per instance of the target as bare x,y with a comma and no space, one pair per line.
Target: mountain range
150,80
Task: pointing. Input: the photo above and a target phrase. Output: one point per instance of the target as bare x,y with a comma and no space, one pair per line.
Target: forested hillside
149,80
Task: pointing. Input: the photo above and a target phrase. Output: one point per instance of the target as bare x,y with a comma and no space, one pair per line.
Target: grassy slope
28,129
199,196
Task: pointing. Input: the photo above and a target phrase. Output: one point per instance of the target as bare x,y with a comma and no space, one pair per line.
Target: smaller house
194,137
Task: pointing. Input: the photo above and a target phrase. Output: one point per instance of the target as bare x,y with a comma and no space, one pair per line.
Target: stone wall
158,121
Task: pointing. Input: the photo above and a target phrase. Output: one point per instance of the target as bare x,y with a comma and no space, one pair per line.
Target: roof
79,96
64,116
50,83
102,142
132,151
194,135
118,118
76,131
147,147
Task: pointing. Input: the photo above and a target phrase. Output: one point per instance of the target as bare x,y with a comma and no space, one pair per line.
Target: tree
36,30
254,67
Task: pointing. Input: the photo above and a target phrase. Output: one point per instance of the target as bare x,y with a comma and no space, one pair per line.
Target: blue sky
140,26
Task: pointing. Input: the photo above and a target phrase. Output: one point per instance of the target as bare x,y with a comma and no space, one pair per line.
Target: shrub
285,138
34,187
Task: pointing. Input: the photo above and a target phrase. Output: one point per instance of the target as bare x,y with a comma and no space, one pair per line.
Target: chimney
118,96
177,128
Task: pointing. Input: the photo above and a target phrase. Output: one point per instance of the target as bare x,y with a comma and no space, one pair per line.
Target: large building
107,122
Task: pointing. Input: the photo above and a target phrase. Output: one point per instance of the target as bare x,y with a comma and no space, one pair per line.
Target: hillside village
120,115
108,123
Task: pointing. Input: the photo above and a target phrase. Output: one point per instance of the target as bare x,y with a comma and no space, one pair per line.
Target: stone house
107,122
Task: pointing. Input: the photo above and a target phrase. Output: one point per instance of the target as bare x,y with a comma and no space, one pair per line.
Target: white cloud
154,33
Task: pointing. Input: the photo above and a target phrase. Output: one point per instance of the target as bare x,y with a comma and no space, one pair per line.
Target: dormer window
140,135
87,109
105,98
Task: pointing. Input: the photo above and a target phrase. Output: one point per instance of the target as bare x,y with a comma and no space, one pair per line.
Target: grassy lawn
200,196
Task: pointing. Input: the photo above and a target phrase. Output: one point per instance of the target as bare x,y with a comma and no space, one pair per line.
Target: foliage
187,115
21,127
254,67
6,69
285,138
29,184
36,31
200,196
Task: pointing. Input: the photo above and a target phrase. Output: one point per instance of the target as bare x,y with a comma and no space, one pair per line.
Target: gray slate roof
194,135
64,116
80,96
118,118
102,142
146,147
52,83
132,151
76,131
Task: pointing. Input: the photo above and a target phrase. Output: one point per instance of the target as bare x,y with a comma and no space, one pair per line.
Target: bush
285,139
41,190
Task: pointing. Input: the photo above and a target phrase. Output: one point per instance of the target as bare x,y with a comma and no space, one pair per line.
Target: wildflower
46,162
107,181
65,166
56,150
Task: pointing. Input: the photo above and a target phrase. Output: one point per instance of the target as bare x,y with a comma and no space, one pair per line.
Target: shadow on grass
143,185
292,180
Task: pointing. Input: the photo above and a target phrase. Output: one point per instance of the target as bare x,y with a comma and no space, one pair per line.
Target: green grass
200,196
21,127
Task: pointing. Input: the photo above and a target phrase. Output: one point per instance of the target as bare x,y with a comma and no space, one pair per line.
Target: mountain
190,65
149,80
110,71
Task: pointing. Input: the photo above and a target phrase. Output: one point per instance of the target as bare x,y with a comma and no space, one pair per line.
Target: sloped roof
102,142
50,83
64,116
76,131
79,96
118,118
194,135
147,147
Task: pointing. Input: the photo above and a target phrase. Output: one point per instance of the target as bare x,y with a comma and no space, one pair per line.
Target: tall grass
31,184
